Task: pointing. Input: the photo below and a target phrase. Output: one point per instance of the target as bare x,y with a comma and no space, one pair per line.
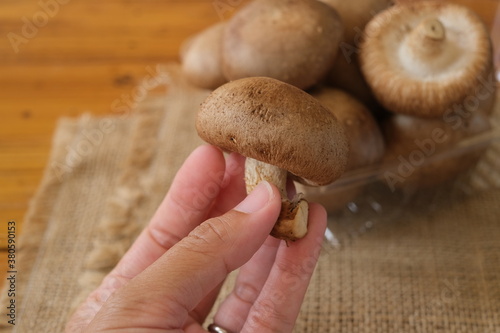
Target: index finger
186,205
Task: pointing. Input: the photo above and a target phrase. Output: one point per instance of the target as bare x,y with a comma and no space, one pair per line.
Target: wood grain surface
69,57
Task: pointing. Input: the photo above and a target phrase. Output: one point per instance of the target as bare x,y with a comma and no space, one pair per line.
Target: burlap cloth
414,265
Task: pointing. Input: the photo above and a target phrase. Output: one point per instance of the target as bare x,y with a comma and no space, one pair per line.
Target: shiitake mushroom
346,73
426,57
201,58
294,41
423,152
282,131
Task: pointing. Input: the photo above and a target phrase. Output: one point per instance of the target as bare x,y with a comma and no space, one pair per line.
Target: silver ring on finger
213,328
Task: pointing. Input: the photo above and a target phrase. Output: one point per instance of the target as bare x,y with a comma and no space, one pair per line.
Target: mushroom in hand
281,130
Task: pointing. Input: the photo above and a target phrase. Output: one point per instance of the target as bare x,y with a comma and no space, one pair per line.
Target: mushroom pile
430,64
312,90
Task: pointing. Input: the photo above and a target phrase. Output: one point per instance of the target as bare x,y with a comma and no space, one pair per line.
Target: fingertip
237,159
235,172
316,227
258,199
207,149
318,214
211,157
318,219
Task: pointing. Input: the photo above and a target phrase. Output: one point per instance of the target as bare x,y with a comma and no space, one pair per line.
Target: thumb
162,296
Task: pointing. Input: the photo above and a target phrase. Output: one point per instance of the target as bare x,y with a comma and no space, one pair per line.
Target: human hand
172,274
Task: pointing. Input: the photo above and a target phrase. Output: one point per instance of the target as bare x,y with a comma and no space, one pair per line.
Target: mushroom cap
276,123
201,58
366,143
356,15
294,41
423,57
346,75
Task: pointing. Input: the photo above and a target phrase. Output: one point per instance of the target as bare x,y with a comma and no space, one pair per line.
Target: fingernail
257,199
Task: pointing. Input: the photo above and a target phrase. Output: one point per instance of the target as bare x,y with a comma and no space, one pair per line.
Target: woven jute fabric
429,262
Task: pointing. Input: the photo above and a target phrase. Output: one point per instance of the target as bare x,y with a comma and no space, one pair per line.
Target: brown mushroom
294,41
280,129
423,152
355,15
425,57
366,145
201,58
345,73
365,139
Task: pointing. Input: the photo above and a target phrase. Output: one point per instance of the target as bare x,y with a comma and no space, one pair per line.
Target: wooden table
72,58
64,58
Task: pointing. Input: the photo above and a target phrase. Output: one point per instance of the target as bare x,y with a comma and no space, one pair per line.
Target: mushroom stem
427,39
292,222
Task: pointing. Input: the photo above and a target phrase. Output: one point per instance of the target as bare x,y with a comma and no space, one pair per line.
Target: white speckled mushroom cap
424,57
276,123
